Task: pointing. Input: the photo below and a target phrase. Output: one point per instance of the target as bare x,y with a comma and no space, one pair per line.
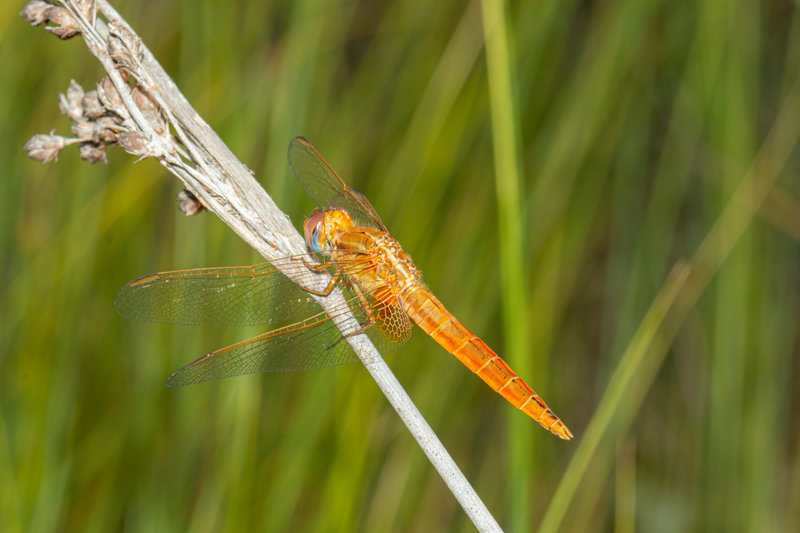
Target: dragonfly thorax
391,262
367,256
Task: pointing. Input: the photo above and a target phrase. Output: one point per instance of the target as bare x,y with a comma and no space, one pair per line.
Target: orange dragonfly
382,289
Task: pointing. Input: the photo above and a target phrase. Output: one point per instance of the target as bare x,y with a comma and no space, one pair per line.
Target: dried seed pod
188,203
121,55
151,111
83,129
158,122
137,143
45,147
71,103
66,25
123,47
93,152
35,12
128,39
109,97
106,130
142,99
92,108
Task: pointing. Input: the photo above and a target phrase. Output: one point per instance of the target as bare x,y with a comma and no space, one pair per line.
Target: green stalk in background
499,60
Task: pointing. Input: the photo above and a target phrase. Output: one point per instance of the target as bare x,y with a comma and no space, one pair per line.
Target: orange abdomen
429,313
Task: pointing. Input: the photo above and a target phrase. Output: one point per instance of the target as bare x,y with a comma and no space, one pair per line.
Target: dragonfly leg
316,267
370,320
364,305
327,290
362,329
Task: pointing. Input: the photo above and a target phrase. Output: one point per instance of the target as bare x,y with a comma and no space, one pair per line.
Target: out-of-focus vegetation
636,121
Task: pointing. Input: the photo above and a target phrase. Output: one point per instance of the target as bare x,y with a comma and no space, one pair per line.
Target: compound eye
313,242
312,230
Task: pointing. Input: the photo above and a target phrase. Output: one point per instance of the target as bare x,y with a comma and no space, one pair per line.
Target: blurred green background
633,123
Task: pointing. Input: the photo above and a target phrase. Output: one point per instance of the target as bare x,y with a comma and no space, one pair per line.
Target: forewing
326,188
245,295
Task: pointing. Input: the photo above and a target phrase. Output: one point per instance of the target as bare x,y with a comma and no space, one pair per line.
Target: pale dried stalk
140,119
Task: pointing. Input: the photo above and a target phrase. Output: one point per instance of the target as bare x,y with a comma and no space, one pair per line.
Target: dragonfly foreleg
335,277
328,288
317,267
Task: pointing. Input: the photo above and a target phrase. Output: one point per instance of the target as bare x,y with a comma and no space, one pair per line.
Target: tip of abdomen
535,408
560,430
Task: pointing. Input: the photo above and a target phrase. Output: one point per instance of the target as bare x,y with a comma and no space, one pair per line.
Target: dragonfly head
323,224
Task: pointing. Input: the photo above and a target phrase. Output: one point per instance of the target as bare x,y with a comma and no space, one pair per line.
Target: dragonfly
349,246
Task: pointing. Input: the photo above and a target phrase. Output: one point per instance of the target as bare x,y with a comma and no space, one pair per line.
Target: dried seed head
142,99
92,108
109,97
158,122
137,143
66,26
93,152
189,204
34,12
45,147
106,130
123,47
121,56
70,104
151,111
83,129
129,39
103,130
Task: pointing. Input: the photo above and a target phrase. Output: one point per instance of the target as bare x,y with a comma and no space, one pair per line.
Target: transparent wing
243,295
315,342
261,294
326,188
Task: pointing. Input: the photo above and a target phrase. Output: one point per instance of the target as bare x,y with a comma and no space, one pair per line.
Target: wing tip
299,141
175,379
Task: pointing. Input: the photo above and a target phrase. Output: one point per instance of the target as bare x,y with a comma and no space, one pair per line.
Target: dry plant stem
226,187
